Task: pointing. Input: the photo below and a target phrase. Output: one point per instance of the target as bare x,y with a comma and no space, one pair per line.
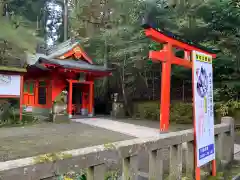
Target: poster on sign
203,107
10,85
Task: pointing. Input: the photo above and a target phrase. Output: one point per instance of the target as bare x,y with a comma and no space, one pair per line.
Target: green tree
116,25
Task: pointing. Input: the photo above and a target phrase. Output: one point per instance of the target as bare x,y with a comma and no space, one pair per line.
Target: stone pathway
20,142
133,129
121,127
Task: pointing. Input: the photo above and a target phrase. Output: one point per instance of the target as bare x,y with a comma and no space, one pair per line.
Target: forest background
111,33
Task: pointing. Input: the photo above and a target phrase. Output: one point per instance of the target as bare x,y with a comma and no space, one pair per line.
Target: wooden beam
162,56
80,82
182,62
161,38
64,70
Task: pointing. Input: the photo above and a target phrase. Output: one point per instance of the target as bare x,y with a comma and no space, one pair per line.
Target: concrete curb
237,177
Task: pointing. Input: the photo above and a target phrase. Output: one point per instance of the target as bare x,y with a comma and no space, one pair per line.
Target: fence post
229,140
156,164
189,156
99,172
219,139
175,162
130,168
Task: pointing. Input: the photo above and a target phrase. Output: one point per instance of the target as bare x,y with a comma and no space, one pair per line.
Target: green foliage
127,47
18,29
110,175
19,40
146,110
9,114
181,113
11,119
229,108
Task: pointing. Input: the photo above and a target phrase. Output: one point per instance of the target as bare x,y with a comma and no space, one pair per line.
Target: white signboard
204,114
10,85
28,109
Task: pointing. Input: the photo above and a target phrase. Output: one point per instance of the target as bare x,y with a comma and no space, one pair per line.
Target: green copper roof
12,69
62,48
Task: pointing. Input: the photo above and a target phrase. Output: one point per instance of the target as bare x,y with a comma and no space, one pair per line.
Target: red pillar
21,97
187,55
70,99
91,99
165,90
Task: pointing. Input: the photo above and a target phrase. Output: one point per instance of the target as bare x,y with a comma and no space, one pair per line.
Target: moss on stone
12,69
51,157
109,146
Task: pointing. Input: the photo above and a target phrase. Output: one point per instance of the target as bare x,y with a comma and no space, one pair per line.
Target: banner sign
10,85
203,107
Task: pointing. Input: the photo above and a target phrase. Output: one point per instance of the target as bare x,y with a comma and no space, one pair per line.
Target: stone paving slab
20,142
121,127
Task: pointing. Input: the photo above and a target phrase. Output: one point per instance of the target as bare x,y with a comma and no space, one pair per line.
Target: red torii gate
167,58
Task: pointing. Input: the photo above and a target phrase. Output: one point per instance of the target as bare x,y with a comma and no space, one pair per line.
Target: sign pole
214,168
197,169
204,144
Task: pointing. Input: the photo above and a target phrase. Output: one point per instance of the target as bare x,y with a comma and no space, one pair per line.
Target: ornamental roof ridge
66,44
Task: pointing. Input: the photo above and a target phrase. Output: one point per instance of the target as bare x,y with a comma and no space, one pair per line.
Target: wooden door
29,95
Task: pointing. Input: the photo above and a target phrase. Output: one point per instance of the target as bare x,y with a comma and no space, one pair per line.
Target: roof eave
13,69
49,62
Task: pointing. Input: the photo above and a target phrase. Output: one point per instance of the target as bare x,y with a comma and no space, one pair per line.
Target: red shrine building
64,67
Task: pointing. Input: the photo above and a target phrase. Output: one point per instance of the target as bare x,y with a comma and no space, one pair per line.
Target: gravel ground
20,142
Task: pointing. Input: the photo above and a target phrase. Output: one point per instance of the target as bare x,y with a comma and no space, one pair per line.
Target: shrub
229,108
12,118
147,110
181,113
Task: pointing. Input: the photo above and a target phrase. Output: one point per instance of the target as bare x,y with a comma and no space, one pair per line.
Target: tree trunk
2,7
105,80
183,91
125,98
65,20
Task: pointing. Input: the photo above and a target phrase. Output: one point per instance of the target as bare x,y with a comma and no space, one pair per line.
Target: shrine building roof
73,64
68,55
12,69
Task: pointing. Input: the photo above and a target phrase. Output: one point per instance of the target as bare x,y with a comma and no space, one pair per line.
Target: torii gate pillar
165,88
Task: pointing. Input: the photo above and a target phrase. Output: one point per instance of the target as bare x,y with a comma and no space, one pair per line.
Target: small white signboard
10,85
203,111
28,109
